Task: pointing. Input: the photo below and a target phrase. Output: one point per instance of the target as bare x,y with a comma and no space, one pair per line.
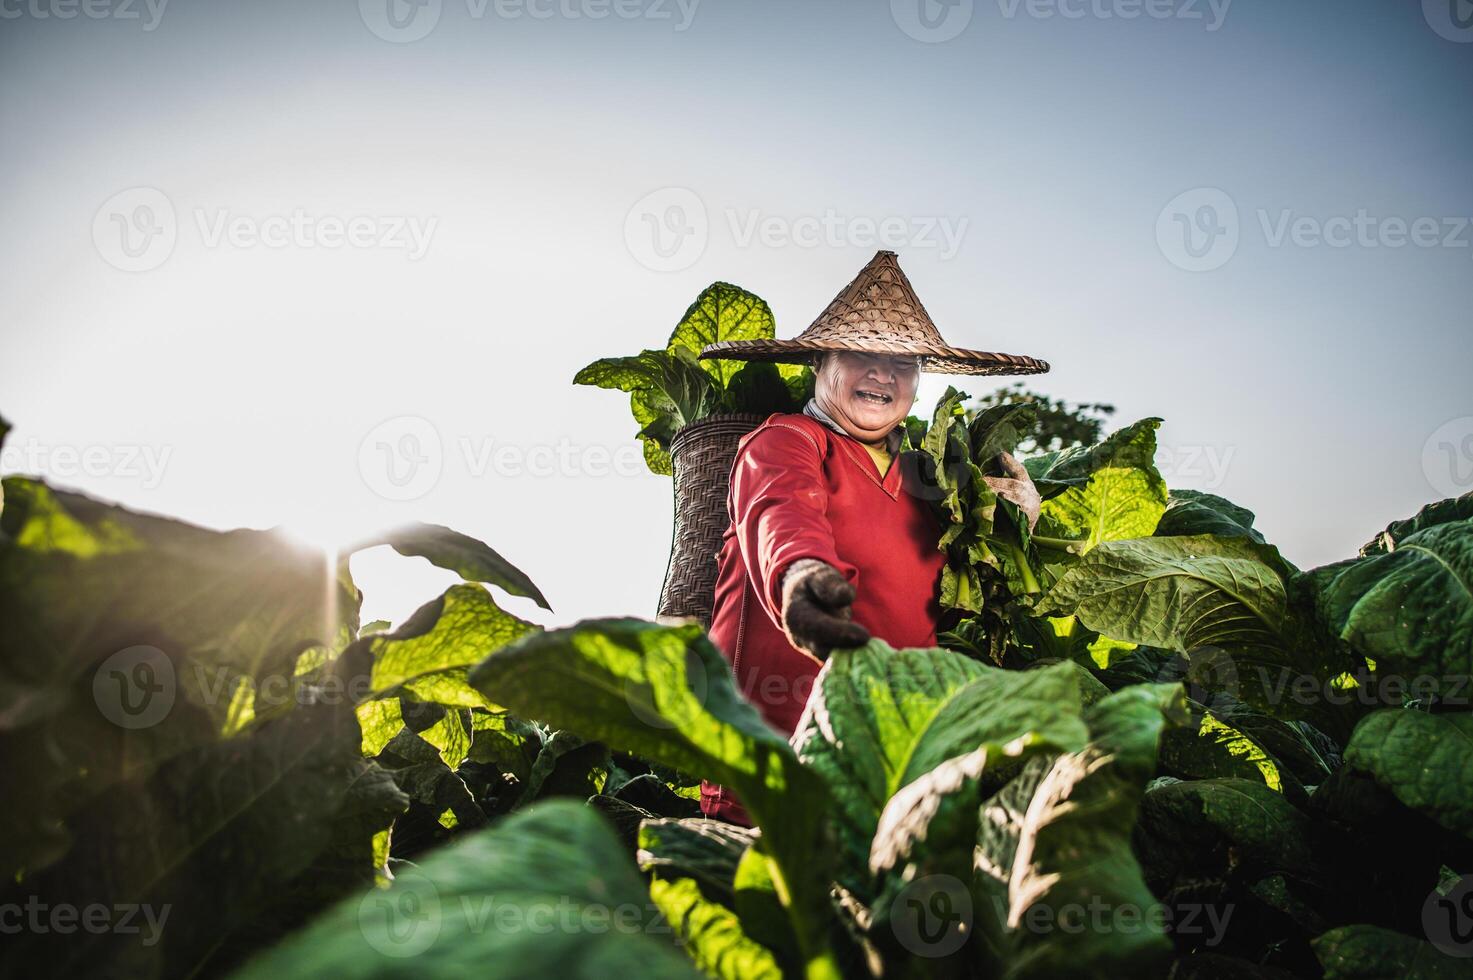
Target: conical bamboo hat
878,313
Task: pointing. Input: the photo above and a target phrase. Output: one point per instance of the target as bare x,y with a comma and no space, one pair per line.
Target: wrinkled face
867,394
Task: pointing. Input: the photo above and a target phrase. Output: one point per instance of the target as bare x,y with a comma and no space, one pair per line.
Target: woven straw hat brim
878,313
935,358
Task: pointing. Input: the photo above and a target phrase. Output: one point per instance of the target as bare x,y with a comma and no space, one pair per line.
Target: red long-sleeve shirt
801,490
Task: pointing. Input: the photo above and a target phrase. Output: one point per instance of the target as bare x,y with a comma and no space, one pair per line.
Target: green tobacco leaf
668,694
1214,749
486,903
505,741
722,312
567,765
667,391
881,718
1422,759
712,933
127,638
1364,952
1057,839
245,602
1206,597
1442,512
1185,826
432,652
462,554
1113,490
759,388
420,770
706,850
380,721
1190,512
1409,610
212,839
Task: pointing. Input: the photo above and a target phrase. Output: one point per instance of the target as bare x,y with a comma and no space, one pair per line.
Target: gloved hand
1015,485
816,609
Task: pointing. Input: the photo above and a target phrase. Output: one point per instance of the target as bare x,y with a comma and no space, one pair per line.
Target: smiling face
867,394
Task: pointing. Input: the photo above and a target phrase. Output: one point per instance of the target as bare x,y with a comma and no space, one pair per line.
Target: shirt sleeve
779,502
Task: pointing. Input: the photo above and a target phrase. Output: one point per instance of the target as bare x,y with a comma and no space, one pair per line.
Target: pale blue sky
1313,384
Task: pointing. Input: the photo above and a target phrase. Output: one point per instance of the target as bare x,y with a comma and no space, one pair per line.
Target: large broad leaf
546,892
1442,512
667,694
668,390
694,865
1423,759
712,933
215,844
1410,609
430,655
1210,598
881,718
1191,512
706,850
1364,952
1057,841
462,554
1112,491
128,639
762,388
1209,828
81,580
722,312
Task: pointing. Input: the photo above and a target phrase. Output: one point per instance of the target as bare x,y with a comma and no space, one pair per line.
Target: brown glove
1016,485
816,609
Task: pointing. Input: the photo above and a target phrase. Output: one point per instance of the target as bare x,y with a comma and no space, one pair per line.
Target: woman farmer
829,542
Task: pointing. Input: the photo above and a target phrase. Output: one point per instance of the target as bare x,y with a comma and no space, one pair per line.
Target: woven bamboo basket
700,456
